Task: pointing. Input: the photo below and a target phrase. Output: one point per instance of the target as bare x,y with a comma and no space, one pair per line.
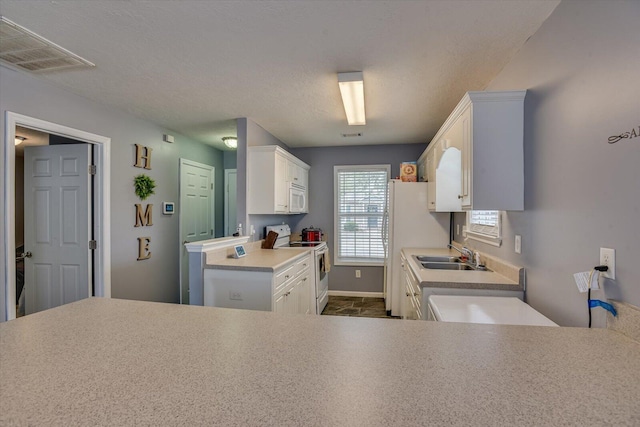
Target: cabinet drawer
284,275
302,264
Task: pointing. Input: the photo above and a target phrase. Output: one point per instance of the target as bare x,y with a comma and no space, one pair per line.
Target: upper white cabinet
276,178
488,130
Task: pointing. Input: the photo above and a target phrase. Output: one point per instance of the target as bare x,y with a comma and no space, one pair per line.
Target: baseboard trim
356,294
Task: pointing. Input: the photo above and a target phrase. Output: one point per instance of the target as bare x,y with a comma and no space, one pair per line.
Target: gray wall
322,161
155,279
230,159
581,193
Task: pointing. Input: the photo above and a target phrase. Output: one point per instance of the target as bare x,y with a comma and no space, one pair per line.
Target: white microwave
297,199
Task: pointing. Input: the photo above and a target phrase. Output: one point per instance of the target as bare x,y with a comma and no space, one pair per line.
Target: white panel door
57,225
230,196
196,213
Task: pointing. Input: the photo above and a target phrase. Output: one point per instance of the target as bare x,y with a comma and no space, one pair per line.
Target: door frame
212,169
102,204
227,172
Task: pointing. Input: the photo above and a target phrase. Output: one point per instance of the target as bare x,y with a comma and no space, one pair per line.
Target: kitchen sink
452,266
427,258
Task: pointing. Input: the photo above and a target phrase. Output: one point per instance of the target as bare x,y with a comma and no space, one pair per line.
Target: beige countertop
116,362
258,260
456,279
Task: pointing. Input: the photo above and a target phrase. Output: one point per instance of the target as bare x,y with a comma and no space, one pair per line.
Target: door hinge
92,169
212,185
212,231
93,245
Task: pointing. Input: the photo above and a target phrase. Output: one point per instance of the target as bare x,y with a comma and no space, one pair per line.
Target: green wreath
144,186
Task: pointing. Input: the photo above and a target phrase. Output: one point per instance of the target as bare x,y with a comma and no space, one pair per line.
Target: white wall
582,70
155,279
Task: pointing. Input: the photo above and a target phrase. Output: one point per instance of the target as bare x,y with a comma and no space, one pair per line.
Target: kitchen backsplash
510,271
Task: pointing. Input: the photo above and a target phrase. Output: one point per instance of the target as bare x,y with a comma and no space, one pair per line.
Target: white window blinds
484,226
360,197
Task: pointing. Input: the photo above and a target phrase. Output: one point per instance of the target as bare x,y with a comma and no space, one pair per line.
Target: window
360,194
485,226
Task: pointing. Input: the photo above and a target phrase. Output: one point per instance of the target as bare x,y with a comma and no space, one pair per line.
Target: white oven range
320,275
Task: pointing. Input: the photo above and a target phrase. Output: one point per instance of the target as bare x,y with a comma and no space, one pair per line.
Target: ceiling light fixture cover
29,51
230,141
352,91
19,140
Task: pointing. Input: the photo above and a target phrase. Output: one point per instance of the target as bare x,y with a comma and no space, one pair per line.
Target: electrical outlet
608,258
518,244
235,295
358,274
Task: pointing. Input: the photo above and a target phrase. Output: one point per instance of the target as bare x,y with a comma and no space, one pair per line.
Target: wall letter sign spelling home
143,187
143,157
143,220
635,132
143,248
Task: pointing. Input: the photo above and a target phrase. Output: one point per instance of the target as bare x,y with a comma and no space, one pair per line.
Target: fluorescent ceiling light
230,141
352,91
19,140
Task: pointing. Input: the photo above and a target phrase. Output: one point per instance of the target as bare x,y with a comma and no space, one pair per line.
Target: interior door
230,195
196,213
57,225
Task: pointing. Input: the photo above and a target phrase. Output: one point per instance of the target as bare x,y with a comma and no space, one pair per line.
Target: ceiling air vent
24,49
351,135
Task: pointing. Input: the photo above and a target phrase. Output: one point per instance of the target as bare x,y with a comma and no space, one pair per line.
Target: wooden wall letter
143,157
146,218
143,248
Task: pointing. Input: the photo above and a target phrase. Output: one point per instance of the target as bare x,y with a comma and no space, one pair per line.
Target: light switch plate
518,245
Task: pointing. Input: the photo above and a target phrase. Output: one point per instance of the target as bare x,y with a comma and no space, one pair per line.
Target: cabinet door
291,295
467,160
281,189
304,297
279,305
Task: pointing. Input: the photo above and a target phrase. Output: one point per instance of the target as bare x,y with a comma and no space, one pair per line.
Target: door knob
26,254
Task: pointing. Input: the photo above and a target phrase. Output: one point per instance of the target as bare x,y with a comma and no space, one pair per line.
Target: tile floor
356,307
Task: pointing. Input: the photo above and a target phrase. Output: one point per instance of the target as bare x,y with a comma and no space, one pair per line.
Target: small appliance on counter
311,234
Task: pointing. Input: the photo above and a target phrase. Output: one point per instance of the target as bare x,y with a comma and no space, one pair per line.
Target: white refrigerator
408,224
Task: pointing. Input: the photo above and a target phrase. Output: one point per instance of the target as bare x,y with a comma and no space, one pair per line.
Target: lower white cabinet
284,290
412,303
293,296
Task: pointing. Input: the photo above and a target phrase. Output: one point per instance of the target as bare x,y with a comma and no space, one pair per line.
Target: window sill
489,240
359,263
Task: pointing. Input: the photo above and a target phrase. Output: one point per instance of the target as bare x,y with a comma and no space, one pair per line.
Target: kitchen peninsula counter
258,260
118,362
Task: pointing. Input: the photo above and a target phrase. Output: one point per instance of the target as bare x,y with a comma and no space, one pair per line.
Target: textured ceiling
195,66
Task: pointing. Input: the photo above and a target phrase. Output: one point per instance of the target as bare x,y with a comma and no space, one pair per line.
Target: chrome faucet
465,252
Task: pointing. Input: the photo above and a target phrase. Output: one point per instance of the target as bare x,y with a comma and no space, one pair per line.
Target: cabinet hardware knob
460,196
415,294
408,294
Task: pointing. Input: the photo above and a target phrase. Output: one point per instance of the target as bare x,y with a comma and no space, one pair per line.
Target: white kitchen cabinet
444,172
412,308
284,290
293,297
297,174
492,150
270,173
488,130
